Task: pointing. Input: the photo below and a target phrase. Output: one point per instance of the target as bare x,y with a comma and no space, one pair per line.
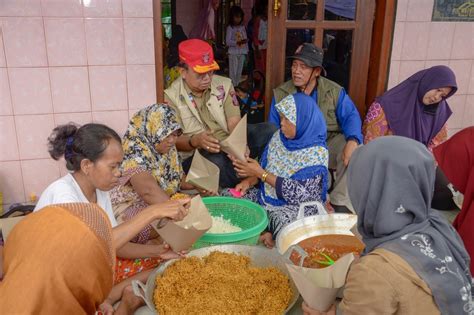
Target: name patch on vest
191,98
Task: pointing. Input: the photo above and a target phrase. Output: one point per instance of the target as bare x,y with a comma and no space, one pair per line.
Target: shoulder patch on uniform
235,101
221,92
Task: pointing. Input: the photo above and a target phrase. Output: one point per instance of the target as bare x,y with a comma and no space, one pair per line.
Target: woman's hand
248,168
245,185
247,152
173,209
206,193
184,185
349,148
311,311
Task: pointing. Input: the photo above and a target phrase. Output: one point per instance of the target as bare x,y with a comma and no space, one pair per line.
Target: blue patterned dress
300,164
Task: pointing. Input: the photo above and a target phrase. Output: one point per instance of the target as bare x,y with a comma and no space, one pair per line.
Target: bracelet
190,142
264,176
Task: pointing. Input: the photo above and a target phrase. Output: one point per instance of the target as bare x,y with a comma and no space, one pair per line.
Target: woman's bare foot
267,239
106,308
129,303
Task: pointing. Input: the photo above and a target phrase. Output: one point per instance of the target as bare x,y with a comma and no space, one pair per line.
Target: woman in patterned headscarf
151,170
293,167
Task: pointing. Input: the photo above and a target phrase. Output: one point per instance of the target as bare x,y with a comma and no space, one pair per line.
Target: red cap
198,55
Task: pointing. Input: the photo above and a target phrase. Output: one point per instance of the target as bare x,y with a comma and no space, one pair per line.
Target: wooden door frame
381,49
158,44
375,54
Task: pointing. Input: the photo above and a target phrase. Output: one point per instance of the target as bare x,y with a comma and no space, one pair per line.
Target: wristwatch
191,143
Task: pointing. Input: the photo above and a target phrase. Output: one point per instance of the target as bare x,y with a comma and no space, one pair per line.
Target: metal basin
259,255
337,223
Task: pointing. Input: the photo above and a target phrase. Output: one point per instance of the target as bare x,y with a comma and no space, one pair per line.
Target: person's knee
260,134
336,147
442,196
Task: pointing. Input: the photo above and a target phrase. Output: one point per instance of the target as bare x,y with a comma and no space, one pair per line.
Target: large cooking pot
259,255
306,227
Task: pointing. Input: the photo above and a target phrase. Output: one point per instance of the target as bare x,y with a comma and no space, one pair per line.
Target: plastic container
247,215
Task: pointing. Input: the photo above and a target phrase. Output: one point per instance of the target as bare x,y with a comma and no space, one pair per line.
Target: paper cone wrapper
319,287
203,173
236,143
182,235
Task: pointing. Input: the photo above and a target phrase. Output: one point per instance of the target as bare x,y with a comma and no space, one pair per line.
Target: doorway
343,28
354,57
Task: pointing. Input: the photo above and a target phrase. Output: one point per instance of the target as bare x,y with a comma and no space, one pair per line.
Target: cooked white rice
221,225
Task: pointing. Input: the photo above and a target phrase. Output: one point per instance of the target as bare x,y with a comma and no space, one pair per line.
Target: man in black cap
342,118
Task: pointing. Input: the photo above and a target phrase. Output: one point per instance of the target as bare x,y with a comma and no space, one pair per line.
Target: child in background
260,31
236,40
244,98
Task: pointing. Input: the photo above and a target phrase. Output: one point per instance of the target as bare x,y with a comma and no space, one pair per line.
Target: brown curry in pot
334,246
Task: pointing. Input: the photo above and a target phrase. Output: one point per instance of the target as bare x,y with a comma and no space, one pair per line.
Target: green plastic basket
247,215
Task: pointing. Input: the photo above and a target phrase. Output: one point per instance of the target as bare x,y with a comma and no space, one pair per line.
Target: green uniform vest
328,95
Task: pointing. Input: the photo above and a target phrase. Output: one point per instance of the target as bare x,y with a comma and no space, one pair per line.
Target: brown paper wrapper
319,287
181,235
236,143
203,173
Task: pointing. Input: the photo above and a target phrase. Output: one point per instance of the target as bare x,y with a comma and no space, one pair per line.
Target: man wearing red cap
208,110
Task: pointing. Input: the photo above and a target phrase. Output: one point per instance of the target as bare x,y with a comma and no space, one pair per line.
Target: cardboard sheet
203,173
181,235
319,287
236,143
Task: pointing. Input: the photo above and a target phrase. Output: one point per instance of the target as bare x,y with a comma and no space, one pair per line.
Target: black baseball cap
310,54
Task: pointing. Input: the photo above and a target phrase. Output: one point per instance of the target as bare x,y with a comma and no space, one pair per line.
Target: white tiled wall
420,43
62,61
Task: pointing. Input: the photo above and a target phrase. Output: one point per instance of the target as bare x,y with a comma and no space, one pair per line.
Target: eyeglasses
202,76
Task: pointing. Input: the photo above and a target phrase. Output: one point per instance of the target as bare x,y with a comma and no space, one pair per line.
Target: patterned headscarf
391,184
147,128
303,157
